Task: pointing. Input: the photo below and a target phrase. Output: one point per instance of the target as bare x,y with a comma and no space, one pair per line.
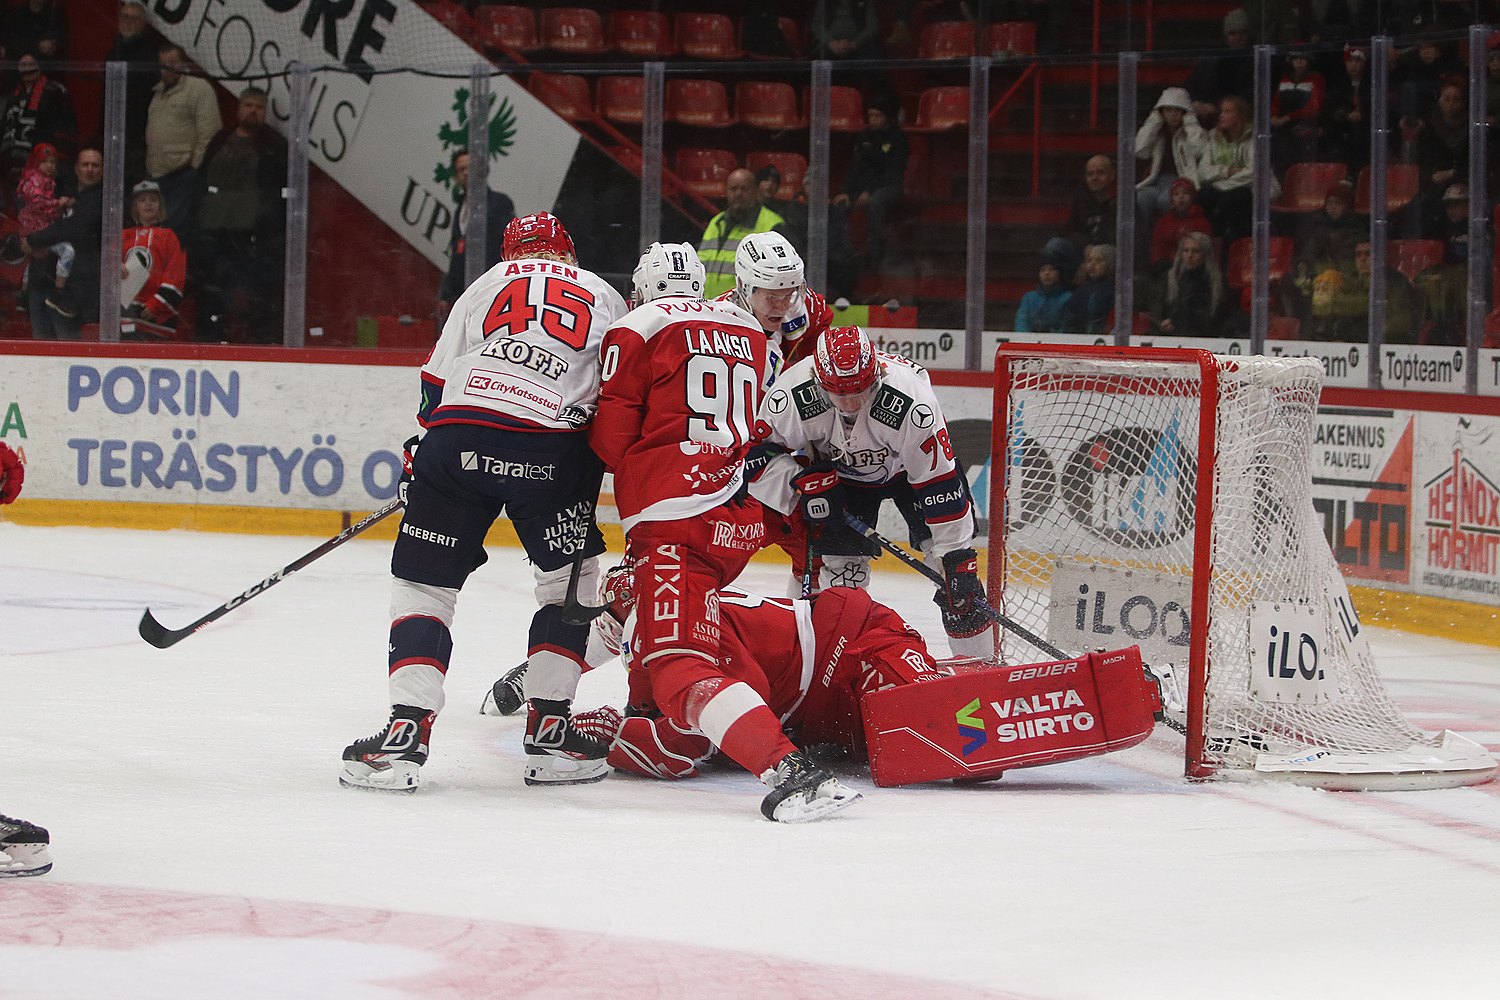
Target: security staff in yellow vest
743,215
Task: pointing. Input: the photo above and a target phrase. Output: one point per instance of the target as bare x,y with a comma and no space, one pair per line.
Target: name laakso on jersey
717,342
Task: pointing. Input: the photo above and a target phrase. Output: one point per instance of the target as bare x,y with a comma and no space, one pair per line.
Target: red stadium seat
698,102
707,36
1015,37
1241,271
645,34
564,93
766,105
1283,328
942,108
506,27
1412,257
917,179
575,30
793,167
622,99
1307,185
705,171
1402,183
947,40
846,108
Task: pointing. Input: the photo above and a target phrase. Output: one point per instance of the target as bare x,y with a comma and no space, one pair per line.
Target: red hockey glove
12,474
408,455
820,495
962,597
602,723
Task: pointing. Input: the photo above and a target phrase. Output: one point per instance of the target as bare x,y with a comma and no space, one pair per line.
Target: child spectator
40,206
1346,112
1185,217
1041,309
1443,289
1092,302
153,268
1193,303
1296,107
1337,231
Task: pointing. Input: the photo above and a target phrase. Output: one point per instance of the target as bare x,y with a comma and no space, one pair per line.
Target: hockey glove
12,474
965,610
820,495
408,455
602,723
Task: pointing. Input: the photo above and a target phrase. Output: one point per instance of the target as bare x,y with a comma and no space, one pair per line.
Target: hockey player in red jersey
153,266
871,428
507,395
681,382
771,285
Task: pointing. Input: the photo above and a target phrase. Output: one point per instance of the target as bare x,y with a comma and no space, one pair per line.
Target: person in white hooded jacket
1173,141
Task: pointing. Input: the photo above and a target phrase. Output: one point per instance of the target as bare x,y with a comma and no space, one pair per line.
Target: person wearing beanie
1184,216
877,172
1172,140
1231,72
1041,309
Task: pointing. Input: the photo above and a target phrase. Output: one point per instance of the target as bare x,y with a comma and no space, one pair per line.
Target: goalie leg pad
983,722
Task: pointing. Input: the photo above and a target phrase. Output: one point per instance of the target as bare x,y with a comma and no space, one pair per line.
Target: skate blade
551,770
802,809
401,776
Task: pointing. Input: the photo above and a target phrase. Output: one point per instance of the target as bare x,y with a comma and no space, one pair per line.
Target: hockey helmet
667,269
767,260
846,367
540,234
617,596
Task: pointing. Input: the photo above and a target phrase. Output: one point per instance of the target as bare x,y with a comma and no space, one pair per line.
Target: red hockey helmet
540,234
846,366
617,595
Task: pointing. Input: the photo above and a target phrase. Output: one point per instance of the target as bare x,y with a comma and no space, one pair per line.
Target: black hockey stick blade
161,637
1004,621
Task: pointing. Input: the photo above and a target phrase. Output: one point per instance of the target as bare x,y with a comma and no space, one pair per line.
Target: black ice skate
507,696
23,849
801,791
556,752
392,759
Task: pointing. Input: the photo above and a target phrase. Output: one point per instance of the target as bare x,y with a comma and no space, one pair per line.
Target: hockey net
1164,498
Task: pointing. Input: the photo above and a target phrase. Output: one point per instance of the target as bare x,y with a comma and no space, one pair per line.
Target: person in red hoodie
153,267
1185,217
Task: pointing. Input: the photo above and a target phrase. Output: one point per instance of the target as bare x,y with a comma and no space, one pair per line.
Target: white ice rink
204,849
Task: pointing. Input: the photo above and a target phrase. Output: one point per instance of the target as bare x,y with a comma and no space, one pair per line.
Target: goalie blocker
980,723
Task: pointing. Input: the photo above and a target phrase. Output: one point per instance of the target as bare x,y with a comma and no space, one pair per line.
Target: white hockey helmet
767,260
667,269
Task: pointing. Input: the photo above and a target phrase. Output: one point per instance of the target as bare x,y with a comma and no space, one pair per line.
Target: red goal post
1164,497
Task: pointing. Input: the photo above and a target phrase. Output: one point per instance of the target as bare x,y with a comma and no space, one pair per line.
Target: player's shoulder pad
905,392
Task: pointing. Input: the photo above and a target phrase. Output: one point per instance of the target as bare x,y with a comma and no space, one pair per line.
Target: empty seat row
1410,257
705,171
641,34
955,39
1306,185
705,103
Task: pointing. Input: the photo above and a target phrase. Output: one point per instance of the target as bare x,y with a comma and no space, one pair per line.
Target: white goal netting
1168,503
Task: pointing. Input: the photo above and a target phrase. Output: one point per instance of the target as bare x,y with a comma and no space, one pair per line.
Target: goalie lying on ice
845,670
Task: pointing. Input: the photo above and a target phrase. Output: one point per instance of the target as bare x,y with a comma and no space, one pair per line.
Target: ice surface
203,847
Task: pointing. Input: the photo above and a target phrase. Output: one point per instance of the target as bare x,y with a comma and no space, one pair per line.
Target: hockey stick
1002,620
574,612
161,637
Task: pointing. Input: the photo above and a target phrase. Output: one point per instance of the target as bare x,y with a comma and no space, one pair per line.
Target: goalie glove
12,474
408,456
820,495
965,610
602,723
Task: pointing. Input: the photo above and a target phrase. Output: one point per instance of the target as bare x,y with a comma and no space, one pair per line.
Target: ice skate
802,792
23,849
392,759
506,697
556,752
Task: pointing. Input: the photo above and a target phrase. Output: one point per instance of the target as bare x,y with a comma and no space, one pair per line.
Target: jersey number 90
721,395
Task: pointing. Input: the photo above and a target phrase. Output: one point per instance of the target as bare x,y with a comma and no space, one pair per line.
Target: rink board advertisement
387,138
1457,497
1362,490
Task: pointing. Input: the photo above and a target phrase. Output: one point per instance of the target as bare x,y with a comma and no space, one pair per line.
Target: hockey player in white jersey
770,283
507,397
849,428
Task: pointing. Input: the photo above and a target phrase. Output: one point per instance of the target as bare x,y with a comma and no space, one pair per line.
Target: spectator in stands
877,173
82,228
1418,77
1230,73
1093,301
1092,220
1346,113
1172,140
1185,216
242,227
846,29
1341,303
181,119
1443,289
37,109
1226,169
153,269
1296,111
1442,150
39,27
743,214
1337,231
137,45
40,206
1041,309
499,210
1192,299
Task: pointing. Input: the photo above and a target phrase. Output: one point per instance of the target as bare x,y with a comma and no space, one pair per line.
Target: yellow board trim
1461,620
